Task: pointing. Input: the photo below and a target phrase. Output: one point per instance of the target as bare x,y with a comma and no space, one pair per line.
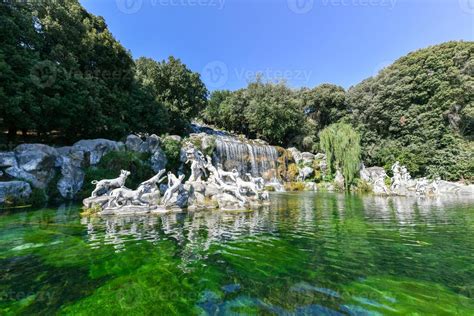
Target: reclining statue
110,184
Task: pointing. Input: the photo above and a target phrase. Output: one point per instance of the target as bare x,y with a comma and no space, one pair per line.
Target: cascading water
247,157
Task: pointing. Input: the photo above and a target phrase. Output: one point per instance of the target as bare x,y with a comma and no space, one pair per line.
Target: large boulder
153,143
7,159
35,163
175,138
134,143
72,173
15,190
305,173
296,154
18,173
158,160
35,157
307,158
97,148
227,201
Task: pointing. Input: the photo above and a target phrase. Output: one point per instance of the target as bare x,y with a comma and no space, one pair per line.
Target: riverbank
37,173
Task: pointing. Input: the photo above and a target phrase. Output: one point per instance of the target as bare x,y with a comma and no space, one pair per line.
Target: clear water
306,254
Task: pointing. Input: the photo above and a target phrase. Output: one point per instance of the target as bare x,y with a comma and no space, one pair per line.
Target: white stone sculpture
153,183
109,184
174,184
198,164
124,197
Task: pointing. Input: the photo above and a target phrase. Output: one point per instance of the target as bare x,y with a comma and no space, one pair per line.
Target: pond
305,254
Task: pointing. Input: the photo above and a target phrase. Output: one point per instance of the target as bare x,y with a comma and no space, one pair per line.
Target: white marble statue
153,183
108,185
198,164
174,184
124,196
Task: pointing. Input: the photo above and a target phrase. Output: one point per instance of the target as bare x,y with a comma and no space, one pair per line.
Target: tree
325,104
211,114
420,111
272,112
171,83
18,54
341,143
64,74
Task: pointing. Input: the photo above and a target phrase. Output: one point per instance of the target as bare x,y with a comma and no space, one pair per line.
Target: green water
306,254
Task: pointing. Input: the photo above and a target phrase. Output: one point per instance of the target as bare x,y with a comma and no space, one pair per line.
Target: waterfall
247,157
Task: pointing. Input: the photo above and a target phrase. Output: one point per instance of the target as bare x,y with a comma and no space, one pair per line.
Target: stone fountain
208,186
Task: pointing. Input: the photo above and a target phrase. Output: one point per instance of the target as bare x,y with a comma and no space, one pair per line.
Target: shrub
362,186
295,186
172,149
292,172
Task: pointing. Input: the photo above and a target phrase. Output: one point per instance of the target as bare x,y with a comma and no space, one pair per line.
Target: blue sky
305,42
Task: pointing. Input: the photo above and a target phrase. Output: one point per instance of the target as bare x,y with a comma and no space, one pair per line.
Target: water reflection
302,212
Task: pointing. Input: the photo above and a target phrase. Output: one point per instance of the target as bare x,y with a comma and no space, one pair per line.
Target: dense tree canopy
420,111
64,75
178,88
325,104
271,111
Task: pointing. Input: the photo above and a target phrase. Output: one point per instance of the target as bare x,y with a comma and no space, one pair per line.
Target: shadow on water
306,253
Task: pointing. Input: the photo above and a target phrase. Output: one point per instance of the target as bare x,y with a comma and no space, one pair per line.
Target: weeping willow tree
341,144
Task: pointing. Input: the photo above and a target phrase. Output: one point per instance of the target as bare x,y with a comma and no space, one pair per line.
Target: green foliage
265,110
341,143
172,149
38,198
292,172
110,165
325,104
172,84
211,114
63,77
420,111
362,186
295,186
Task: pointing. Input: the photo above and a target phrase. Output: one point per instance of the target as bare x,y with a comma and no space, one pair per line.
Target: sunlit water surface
306,254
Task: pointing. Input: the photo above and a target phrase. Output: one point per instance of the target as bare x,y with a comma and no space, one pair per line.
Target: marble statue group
401,183
208,186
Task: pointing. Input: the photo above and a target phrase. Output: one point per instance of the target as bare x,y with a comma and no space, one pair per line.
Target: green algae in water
305,254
